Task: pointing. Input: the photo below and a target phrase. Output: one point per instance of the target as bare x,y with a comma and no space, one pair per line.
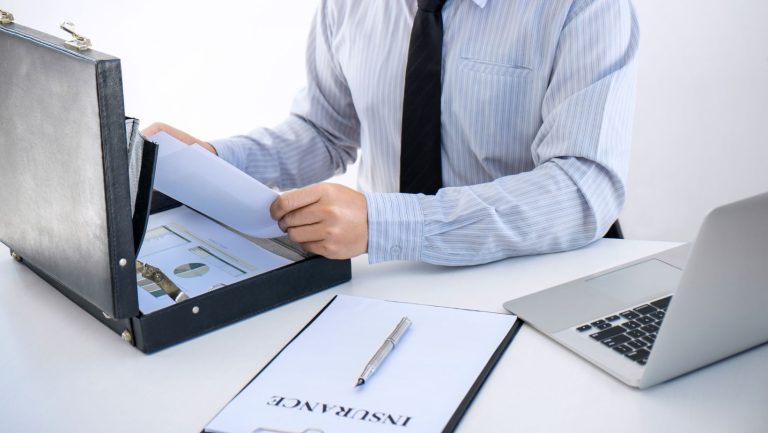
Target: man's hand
177,134
325,218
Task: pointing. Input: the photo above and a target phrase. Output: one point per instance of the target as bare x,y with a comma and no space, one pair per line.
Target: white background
221,68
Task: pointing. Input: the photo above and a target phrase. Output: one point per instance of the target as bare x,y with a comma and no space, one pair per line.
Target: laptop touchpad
637,283
581,301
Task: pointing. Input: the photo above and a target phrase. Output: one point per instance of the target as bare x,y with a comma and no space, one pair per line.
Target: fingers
177,134
153,129
207,146
308,233
307,215
325,249
318,248
170,130
326,219
292,200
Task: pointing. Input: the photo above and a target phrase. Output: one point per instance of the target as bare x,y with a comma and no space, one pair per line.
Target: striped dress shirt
537,106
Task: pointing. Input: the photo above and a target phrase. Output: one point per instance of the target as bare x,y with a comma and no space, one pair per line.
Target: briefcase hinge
5,17
80,42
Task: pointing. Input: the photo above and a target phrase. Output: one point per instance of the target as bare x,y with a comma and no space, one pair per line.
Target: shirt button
395,250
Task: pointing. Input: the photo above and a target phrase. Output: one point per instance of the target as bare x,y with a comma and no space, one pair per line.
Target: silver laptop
659,317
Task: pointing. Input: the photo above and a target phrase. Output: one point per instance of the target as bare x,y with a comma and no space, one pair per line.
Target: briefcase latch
5,17
80,42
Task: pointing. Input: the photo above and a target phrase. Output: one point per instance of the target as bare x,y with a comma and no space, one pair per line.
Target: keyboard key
663,303
645,320
641,361
604,325
635,333
638,355
637,344
651,329
631,324
583,328
608,333
648,339
612,318
629,315
615,341
597,322
622,349
645,309
658,315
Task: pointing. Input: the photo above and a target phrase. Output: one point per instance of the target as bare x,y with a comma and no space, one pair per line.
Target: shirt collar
480,3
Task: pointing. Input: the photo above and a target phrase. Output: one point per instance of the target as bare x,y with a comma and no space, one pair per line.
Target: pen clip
400,329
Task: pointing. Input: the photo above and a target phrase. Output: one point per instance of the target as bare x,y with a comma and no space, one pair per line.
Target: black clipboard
461,408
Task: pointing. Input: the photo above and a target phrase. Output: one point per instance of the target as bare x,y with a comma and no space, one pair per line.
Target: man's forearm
561,205
291,155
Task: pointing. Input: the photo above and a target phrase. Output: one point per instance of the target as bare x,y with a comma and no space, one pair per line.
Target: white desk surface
62,371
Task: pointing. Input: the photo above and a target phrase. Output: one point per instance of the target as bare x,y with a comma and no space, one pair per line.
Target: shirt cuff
395,227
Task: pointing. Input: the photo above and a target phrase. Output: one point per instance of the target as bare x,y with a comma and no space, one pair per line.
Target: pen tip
360,381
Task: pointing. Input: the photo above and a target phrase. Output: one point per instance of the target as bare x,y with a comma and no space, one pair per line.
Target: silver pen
384,350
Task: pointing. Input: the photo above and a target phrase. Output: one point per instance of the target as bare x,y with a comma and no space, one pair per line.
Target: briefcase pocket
143,204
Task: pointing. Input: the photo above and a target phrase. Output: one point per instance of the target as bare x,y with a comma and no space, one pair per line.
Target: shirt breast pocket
492,68
496,106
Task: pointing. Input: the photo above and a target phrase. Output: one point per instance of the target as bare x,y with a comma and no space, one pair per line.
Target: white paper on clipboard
419,388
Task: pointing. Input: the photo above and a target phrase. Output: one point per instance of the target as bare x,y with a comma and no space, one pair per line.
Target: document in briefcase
76,193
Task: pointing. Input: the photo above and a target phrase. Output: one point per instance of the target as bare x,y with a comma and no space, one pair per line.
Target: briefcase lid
64,195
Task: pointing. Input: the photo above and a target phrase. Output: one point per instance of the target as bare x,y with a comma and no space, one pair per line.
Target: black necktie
420,161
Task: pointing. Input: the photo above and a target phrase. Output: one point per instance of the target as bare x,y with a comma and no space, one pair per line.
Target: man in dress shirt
536,112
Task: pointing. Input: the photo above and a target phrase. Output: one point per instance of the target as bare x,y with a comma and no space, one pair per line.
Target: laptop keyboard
630,333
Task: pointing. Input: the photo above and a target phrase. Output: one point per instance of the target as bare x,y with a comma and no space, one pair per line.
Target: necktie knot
431,5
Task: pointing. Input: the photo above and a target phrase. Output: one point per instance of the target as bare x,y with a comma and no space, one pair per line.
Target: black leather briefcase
70,211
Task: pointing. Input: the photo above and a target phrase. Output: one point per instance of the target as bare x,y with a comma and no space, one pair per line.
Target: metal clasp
6,17
80,42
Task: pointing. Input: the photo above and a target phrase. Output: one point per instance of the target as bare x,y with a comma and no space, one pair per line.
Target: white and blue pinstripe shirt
537,106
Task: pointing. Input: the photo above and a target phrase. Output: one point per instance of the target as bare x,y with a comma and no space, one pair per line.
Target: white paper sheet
166,143
311,383
212,186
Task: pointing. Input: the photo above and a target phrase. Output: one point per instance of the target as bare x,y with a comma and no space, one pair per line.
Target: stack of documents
198,255
194,252
424,385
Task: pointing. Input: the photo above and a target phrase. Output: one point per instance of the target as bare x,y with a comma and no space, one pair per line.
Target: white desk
62,371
